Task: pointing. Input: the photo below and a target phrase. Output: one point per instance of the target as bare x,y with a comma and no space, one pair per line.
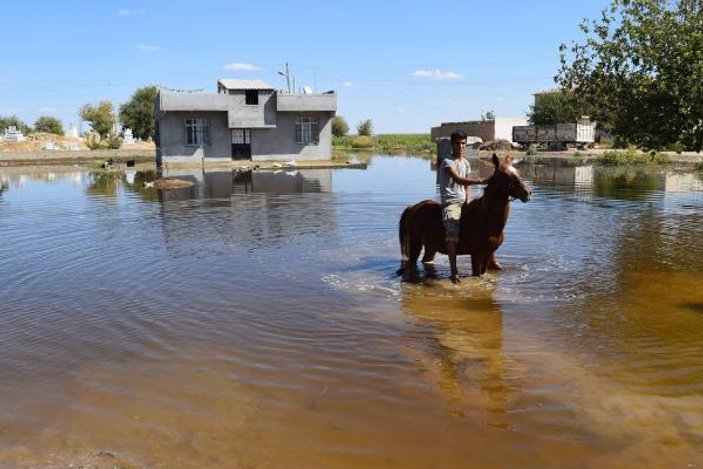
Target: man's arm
467,181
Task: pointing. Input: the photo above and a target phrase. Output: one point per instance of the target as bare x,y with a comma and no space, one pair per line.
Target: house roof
235,84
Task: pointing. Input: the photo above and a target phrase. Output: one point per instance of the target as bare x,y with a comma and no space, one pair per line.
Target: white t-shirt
449,190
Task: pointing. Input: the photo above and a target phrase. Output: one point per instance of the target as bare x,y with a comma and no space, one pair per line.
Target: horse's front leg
493,262
428,257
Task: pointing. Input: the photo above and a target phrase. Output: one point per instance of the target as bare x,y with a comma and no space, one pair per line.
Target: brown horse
482,222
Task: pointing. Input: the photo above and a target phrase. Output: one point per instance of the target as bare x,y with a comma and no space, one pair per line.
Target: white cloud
148,47
437,74
130,11
241,67
347,84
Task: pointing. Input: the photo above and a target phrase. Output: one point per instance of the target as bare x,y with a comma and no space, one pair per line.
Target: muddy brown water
254,320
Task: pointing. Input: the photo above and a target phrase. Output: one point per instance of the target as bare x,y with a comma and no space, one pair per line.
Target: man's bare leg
451,252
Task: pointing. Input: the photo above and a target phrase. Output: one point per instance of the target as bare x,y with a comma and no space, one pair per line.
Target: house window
197,132
306,130
251,97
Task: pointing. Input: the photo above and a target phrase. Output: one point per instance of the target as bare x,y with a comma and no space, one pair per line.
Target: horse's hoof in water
494,265
455,279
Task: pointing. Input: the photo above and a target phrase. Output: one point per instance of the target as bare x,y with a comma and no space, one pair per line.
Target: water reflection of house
259,206
683,182
578,176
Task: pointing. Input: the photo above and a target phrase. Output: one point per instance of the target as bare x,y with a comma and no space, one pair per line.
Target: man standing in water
454,193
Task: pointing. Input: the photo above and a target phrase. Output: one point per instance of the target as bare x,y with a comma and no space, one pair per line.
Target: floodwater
255,320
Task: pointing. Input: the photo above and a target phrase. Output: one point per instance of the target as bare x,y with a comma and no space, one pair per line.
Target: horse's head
507,180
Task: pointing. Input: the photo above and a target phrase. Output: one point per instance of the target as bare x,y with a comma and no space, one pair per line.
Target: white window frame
197,132
307,130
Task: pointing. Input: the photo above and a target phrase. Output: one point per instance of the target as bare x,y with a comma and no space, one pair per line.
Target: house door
241,144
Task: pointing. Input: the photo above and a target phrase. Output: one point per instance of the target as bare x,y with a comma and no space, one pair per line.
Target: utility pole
287,75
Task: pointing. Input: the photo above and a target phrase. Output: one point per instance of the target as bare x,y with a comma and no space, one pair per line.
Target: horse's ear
496,161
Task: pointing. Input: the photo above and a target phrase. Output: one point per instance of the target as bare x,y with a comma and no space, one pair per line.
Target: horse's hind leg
409,264
414,252
428,257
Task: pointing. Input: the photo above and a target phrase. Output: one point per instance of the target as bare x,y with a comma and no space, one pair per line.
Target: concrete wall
307,102
279,143
266,144
504,127
488,130
485,130
172,138
247,116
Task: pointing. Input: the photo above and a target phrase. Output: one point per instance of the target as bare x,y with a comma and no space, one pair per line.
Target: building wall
485,130
279,143
244,116
504,127
488,130
172,143
266,144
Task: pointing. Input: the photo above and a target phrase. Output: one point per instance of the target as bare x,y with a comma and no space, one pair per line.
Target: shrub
675,147
618,158
531,151
113,142
339,126
363,141
365,128
659,158
49,124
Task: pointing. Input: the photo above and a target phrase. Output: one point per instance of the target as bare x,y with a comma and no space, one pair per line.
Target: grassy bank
386,143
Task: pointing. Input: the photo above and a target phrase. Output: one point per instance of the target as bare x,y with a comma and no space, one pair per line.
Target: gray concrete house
244,120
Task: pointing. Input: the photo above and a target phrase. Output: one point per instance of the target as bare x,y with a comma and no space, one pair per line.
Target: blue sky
406,65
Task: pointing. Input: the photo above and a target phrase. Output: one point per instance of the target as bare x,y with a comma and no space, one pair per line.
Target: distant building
244,120
489,130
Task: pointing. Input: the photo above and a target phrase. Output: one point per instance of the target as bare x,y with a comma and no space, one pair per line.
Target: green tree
639,70
101,117
339,126
365,127
552,107
8,121
49,124
138,112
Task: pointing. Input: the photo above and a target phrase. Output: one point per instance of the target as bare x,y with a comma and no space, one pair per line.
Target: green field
387,143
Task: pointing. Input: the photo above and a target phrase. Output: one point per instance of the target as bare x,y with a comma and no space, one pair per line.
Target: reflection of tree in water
463,336
644,326
627,183
103,183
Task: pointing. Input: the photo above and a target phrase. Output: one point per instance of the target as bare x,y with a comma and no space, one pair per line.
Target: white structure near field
488,130
244,120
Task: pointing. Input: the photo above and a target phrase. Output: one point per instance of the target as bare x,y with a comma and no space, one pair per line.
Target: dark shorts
451,216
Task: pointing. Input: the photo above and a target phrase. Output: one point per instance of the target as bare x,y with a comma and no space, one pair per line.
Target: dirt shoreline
146,158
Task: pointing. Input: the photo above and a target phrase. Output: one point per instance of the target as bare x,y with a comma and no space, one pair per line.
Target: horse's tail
403,235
